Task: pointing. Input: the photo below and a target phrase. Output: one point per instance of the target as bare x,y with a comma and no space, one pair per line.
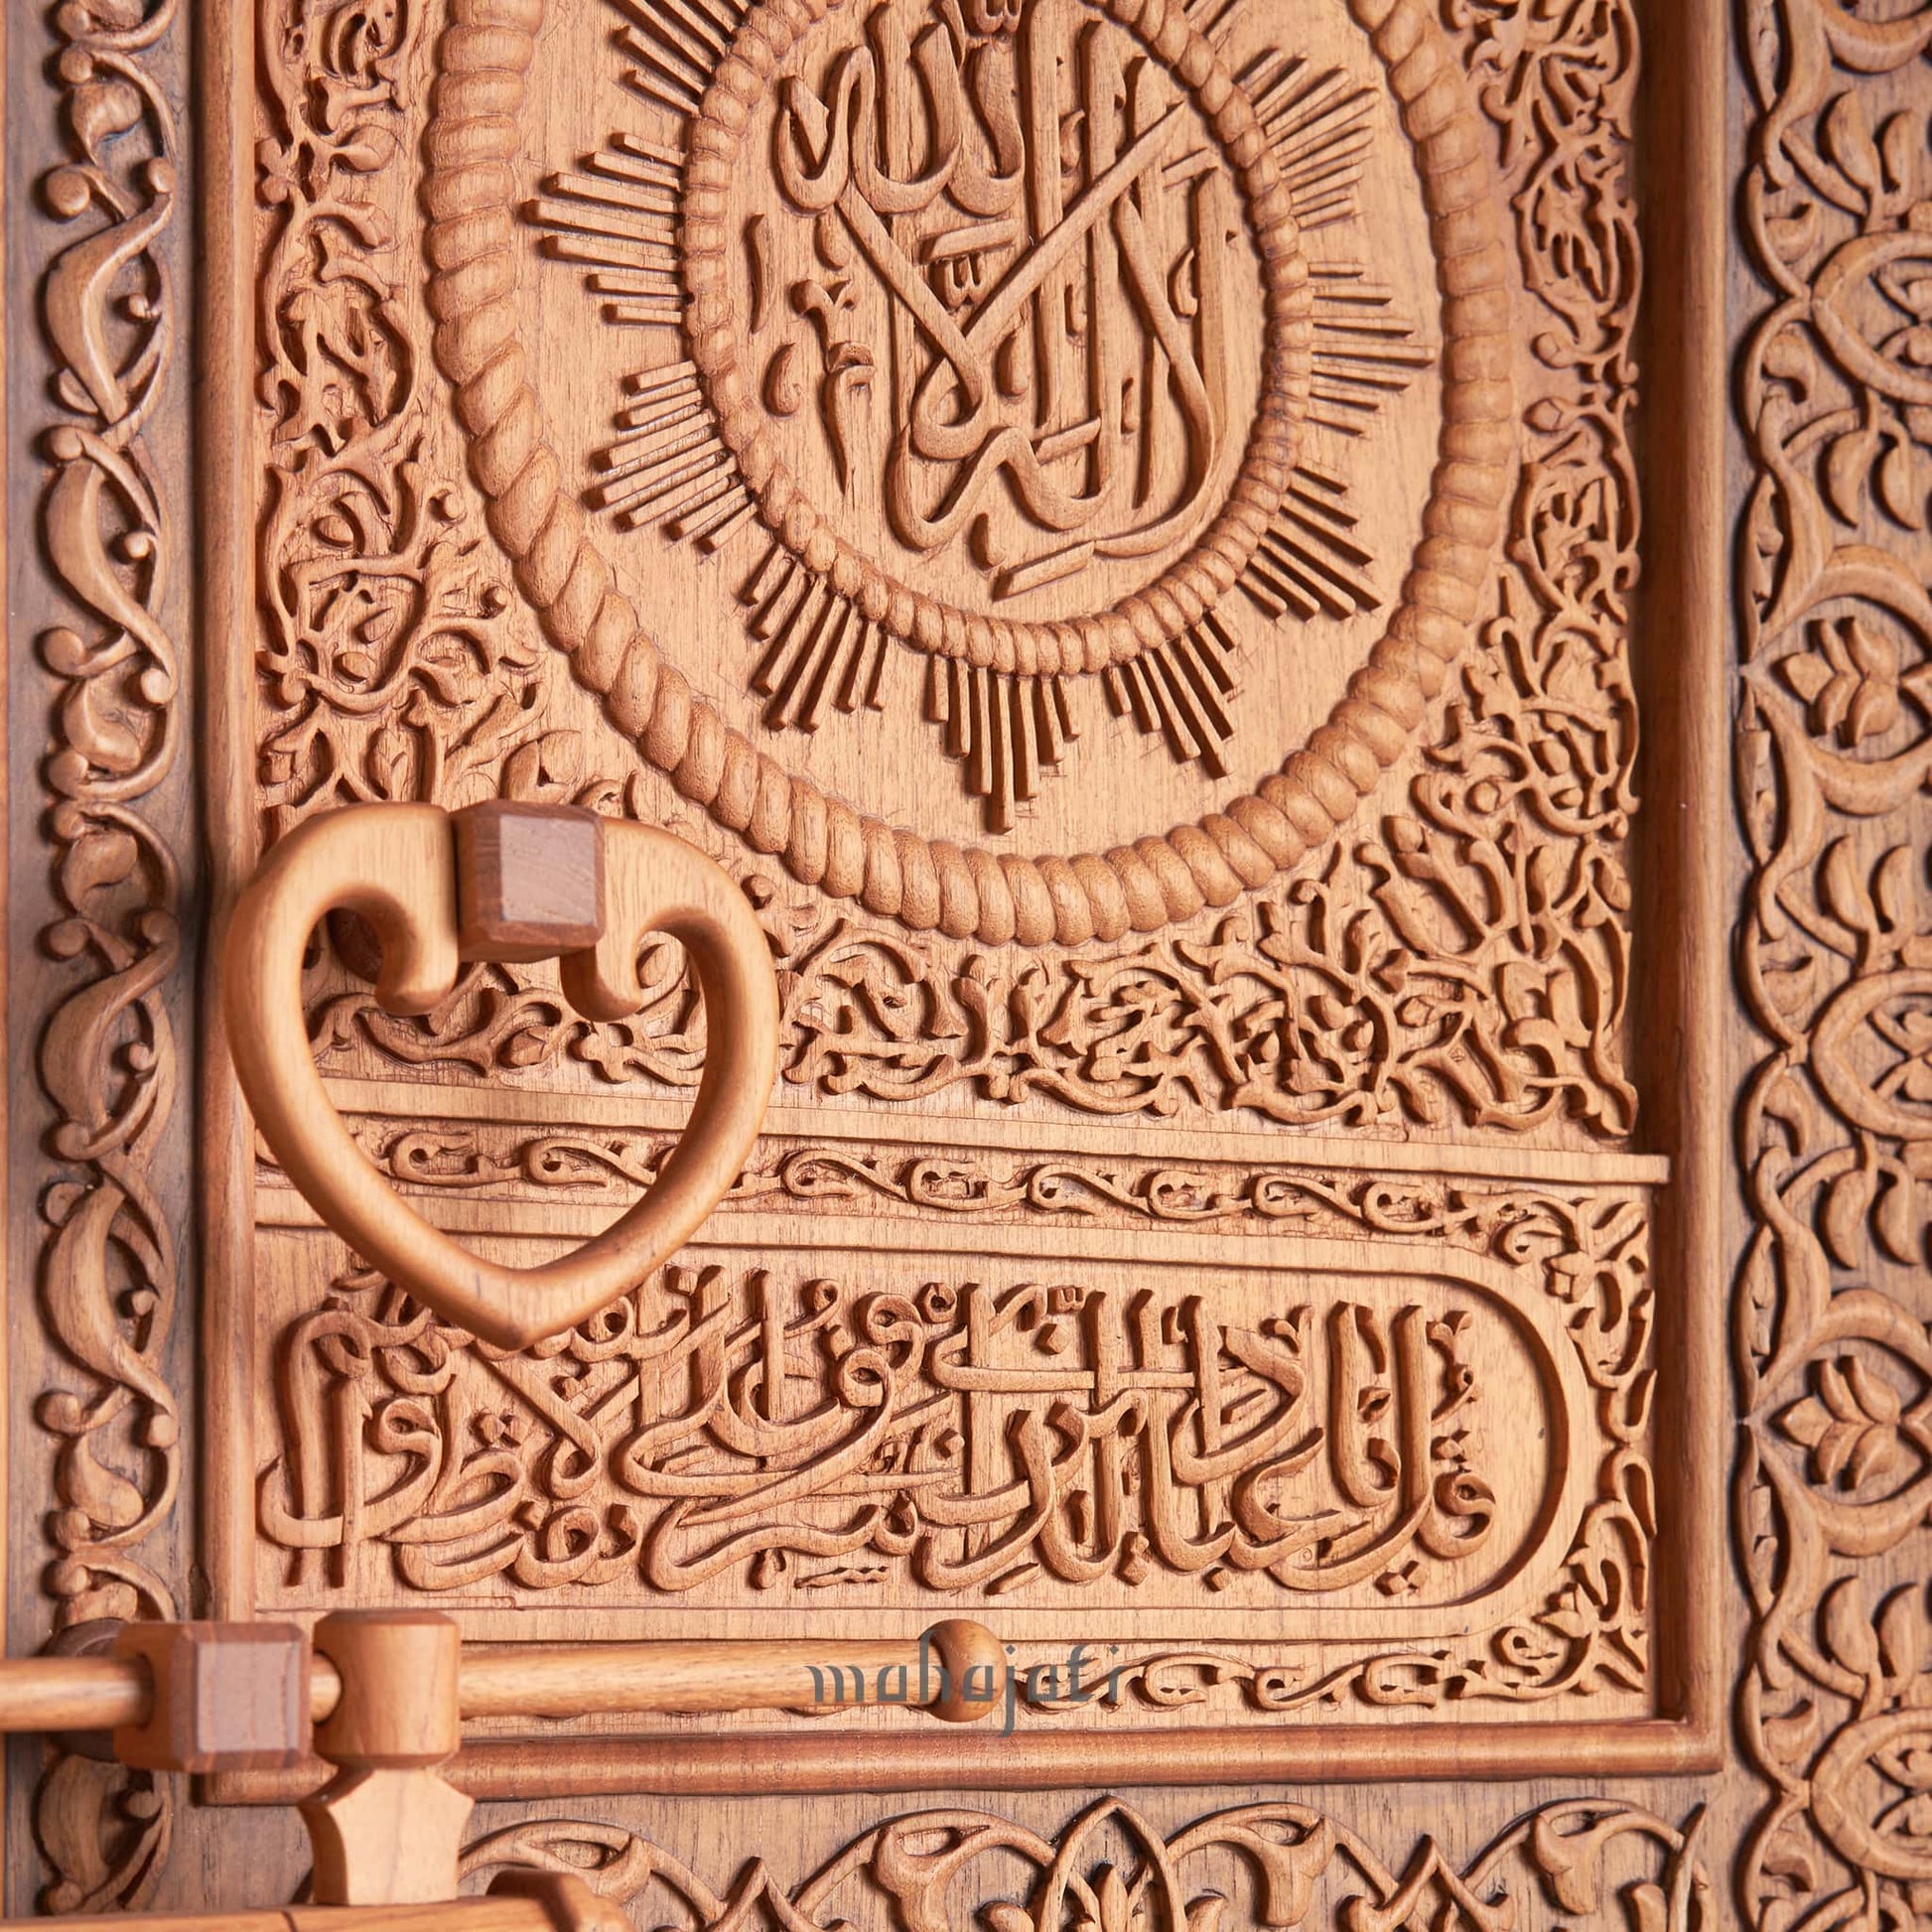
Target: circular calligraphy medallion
1031,231
992,340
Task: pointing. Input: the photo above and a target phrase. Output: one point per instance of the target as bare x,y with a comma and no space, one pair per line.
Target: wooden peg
529,881
226,1697
385,1836
398,1706
389,1829
973,1667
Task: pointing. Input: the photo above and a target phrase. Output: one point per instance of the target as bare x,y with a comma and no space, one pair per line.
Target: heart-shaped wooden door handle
510,883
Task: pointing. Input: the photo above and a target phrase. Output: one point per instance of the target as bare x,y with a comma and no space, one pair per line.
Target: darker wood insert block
529,881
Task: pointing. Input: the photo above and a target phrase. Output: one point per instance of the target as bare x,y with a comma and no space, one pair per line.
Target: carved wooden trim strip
824,842
1291,1865
107,1057
1831,758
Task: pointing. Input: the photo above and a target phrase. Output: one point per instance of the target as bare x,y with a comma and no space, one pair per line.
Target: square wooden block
529,881
228,1697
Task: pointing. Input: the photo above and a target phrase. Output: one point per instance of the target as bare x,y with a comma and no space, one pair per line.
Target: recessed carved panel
1118,523
1114,523
1381,1445
961,1435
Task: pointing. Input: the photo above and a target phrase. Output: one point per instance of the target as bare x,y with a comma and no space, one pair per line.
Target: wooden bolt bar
944,1671
73,1692
589,1679
225,1697
518,1901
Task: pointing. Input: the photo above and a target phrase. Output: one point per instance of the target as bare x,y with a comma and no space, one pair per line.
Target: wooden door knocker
510,883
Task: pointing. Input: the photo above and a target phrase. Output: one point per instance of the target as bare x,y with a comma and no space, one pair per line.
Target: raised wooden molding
1467,1017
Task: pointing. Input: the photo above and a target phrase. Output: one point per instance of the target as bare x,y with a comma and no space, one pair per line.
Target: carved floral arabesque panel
98,586
1462,960
1280,1865
1832,756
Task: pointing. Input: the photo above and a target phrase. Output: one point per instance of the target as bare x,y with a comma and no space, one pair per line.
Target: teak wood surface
1302,632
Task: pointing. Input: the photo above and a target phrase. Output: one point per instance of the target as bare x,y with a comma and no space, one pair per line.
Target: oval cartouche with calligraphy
1356,1448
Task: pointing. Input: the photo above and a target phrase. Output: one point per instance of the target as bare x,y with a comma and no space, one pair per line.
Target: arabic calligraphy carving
107,1059
1050,266
979,238
734,1428
1349,1000
978,1436
1479,943
1099,293
1832,753
1282,1865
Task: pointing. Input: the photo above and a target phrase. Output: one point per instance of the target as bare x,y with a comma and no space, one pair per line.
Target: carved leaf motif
1901,1642
1847,1628
1848,142
1289,1869
1850,1426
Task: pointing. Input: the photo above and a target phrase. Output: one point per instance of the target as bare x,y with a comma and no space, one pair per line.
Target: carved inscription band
470,190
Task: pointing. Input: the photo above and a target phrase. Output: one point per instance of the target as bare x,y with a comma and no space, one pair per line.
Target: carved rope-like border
968,892
1188,588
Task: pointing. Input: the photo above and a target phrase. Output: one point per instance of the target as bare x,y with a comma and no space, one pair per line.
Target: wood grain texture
388,1828
1470,965
232,1695
964,1105
1830,739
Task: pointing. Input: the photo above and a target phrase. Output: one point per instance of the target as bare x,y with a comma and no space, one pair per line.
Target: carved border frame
95,956
1677,1010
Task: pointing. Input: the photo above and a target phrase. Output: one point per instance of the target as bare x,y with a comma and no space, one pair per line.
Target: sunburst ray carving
813,651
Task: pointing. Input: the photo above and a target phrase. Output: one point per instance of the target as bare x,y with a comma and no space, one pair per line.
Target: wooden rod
750,1763
587,1680
73,1692
537,1681
107,1693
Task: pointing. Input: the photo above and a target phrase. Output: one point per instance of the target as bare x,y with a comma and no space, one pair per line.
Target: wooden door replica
1305,626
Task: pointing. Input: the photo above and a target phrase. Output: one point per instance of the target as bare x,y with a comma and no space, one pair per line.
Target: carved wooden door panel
1328,1180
